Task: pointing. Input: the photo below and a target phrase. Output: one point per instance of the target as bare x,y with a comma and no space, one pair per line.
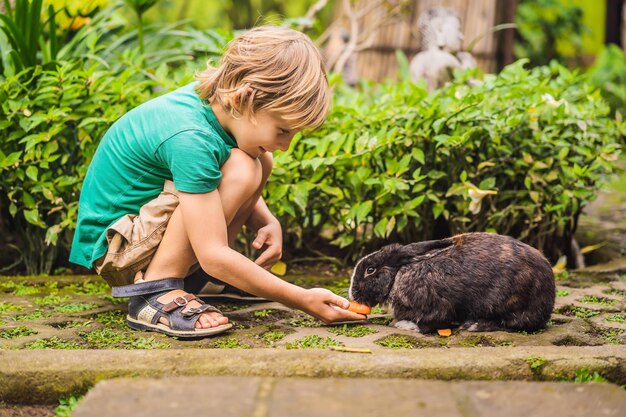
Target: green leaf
11,159
437,210
362,210
32,217
418,155
301,196
380,229
31,172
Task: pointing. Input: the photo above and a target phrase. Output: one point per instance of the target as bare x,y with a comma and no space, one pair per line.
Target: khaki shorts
134,239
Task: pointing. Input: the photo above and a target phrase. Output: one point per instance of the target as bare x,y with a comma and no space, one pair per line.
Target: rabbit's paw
406,325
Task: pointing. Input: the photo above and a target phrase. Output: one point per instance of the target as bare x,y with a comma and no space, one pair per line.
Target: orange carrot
359,308
444,332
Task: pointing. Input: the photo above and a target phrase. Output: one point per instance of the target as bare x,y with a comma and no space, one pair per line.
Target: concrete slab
40,377
330,397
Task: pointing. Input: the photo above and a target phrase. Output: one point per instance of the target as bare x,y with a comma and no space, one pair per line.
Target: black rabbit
480,281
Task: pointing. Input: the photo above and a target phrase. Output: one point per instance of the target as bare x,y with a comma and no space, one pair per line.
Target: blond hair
273,68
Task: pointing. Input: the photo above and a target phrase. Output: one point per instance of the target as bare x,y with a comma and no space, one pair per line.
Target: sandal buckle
181,301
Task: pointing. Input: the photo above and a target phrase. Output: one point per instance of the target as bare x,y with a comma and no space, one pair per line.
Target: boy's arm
208,236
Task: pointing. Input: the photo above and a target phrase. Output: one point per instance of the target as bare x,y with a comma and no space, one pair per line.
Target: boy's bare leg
242,215
242,180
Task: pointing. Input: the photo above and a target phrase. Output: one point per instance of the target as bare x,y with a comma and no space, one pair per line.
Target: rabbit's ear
406,253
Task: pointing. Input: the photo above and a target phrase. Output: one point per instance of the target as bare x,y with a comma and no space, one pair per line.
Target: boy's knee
242,170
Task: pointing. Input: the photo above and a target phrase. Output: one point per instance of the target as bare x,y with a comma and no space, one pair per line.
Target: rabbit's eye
370,270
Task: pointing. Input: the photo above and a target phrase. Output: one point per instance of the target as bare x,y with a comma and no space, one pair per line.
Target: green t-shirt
173,137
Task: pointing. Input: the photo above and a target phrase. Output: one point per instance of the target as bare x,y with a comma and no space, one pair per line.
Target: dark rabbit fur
480,281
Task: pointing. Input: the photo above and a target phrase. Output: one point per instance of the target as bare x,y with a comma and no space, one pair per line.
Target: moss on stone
313,341
15,332
52,299
617,318
115,319
592,299
397,341
53,343
351,330
229,343
75,307
10,307
37,314
581,312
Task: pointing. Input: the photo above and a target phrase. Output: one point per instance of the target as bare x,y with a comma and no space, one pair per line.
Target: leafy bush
521,154
52,122
548,30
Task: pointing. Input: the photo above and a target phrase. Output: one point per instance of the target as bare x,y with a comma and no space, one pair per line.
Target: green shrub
549,29
394,163
52,122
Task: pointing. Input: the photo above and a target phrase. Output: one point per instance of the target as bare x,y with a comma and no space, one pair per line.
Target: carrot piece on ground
444,332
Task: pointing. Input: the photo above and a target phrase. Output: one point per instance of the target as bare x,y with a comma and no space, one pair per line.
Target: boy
144,233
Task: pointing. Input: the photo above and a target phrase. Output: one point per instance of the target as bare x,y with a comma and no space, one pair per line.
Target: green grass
313,341
111,339
114,300
75,307
383,321
480,341
616,292
67,405
535,363
116,319
230,343
8,307
262,313
52,299
35,315
15,332
562,276
340,287
146,343
73,324
592,299
580,312
562,293
53,343
25,289
89,288
617,318
377,310
583,375
351,330
612,335
397,341
104,338
272,336
304,320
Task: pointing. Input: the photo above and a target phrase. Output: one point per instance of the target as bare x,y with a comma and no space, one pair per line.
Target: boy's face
269,133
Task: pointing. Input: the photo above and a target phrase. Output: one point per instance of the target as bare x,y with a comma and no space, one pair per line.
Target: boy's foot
206,320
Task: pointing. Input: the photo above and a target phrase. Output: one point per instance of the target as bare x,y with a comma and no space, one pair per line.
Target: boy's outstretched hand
327,306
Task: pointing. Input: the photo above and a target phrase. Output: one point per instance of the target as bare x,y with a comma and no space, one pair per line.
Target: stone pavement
335,397
61,335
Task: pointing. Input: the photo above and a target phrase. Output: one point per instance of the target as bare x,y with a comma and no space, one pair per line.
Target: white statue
440,49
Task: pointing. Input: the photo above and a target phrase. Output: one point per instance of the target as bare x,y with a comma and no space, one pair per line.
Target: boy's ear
240,96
